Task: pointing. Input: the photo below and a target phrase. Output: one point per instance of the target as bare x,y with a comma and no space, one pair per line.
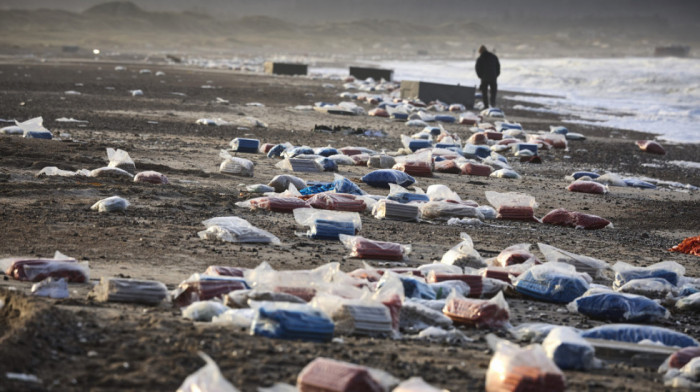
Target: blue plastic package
276,151
668,270
637,183
292,322
328,165
414,288
383,177
326,151
38,134
399,116
240,144
317,188
560,130
327,229
407,197
417,144
568,350
343,185
303,150
552,282
619,307
580,174
450,146
636,333
476,151
446,118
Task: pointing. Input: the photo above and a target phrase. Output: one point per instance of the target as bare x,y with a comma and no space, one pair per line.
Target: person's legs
494,90
485,92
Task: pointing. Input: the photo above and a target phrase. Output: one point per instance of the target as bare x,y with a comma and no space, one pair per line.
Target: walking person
488,68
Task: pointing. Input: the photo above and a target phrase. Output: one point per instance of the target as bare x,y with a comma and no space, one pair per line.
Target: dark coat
487,66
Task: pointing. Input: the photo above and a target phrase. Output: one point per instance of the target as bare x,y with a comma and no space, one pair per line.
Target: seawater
655,95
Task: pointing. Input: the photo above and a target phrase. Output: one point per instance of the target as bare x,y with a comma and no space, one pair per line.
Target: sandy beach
80,344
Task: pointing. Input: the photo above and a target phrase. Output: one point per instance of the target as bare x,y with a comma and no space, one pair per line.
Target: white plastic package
445,210
52,288
234,165
235,229
111,204
121,160
441,192
463,254
206,379
281,182
689,303
589,265
203,310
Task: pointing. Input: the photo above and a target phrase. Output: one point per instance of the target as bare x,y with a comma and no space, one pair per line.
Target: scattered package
651,147
111,204
147,292
618,307
52,288
632,333
203,310
690,245
387,209
240,144
512,205
324,374
568,350
151,177
446,209
362,319
587,187
383,177
668,270
493,313
206,379
578,220
589,265
235,166
363,248
235,229
337,202
552,282
463,254
204,287
38,269
282,320
121,160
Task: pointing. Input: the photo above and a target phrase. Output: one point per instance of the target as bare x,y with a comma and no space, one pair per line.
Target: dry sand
77,344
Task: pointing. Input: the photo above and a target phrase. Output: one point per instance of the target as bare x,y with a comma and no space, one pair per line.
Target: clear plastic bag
514,254
206,379
686,377
381,161
38,269
505,173
568,350
204,287
235,166
493,313
281,182
444,289
328,224
589,265
387,209
281,320
121,160
52,288
416,316
400,194
552,282
513,205
147,292
363,248
337,202
532,332
656,288
240,318
513,368
324,374
235,229
110,172
111,204
668,270
203,310
689,303
34,128
445,210
618,307
300,165
463,254
151,177
632,333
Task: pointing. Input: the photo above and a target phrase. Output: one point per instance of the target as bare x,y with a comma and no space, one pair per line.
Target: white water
656,95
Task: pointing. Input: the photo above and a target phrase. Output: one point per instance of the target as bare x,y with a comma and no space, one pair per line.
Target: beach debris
689,303
325,374
651,146
235,166
690,245
52,288
326,224
206,379
34,128
586,264
32,269
151,177
463,254
147,292
579,220
387,209
568,350
513,205
618,307
633,333
50,171
12,130
110,172
686,377
70,120
283,320
211,121
121,160
203,310
513,368
111,204
200,287
552,282
240,144
667,270
136,93
383,177
493,313
235,229
587,187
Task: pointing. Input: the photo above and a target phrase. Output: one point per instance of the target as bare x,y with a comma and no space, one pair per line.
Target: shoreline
156,238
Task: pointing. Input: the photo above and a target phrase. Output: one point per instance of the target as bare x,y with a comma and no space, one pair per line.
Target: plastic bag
291,321
589,265
505,173
479,286
463,254
532,332
578,220
38,269
34,128
587,187
445,288
274,204
668,270
277,150
514,254
493,313
618,307
52,288
234,165
415,316
383,177
417,288
110,204
363,248
513,368
328,224
147,292
390,293
204,287
387,209
50,171
568,350
650,287
121,160
324,374
110,172
632,333
439,192
445,210
240,144
337,202
235,229
240,318
400,194
689,303
259,188
151,177
416,384
362,318
686,377
206,379
679,359
552,282
281,182
381,161
203,310
512,205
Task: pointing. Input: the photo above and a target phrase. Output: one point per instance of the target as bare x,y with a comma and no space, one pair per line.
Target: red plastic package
491,135
651,146
475,169
305,293
478,138
377,112
415,168
220,270
36,270
479,313
362,248
265,148
559,217
579,220
328,375
587,187
195,289
681,357
447,166
337,201
277,204
360,159
515,254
